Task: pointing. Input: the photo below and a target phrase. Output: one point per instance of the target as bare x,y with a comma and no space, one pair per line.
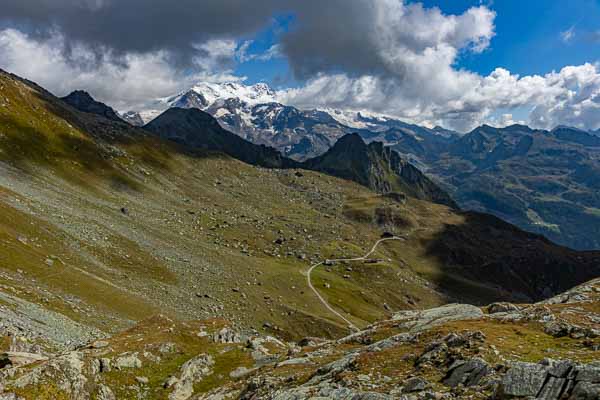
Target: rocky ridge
452,352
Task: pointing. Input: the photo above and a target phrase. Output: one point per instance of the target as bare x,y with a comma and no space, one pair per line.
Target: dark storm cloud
141,25
380,38
335,34
331,35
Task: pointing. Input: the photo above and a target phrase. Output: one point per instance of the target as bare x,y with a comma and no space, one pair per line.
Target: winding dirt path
323,301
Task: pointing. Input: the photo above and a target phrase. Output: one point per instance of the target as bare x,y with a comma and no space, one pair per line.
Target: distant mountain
373,166
379,168
197,130
546,182
82,101
132,117
542,181
255,113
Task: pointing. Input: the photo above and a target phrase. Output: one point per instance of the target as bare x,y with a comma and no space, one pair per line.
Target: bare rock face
227,335
496,308
128,361
422,320
191,372
550,380
467,373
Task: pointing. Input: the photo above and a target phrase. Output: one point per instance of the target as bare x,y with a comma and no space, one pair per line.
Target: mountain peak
352,141
259,93
80,96
198,130
379,168
186,118
133,117
83,101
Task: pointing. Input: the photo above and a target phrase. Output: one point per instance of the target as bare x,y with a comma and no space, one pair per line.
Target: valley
542,181
107,227
299,200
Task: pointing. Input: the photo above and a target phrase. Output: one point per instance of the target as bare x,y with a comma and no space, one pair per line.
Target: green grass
202,224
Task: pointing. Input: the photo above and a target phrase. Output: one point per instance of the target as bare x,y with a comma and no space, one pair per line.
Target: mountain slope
478,180
256,114
456,351
373,166
84,102
378,168
197,130
544,182
103,225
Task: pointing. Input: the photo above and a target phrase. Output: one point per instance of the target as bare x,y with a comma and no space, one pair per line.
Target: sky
457,64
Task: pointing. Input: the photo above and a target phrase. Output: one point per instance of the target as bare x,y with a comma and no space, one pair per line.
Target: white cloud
570,96
404,64
420,82
242,53
127,82
400,61
568,35
411,73
272,52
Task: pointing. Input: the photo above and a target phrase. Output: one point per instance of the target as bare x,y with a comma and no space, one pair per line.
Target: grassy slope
504,342
197,227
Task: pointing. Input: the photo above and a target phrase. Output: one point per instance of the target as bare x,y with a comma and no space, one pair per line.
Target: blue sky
528,35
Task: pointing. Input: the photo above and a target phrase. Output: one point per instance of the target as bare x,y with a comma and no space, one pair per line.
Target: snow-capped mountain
254,113
133,117
259,93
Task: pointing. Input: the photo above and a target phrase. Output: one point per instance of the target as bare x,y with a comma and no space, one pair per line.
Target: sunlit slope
107,225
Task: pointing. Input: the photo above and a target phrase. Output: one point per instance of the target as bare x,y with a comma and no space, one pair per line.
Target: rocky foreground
548,350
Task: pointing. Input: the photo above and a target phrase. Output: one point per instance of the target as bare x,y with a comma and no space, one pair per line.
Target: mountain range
180,261
542,181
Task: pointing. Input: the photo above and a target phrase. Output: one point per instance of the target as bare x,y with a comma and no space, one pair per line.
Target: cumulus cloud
386,56
141,26
124,82
384,37
570,96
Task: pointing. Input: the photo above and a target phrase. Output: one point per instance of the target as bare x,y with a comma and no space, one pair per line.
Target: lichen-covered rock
418,321
558,329
523,380
467,373
191,373
9,396
415,384
105,393
586,391
551,380
393,341
128,361
227,335
496,308
328,391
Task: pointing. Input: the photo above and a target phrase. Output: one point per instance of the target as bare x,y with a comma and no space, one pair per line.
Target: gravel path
325,303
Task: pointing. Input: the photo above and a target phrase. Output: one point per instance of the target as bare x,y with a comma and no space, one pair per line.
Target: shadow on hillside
514,264
23,145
